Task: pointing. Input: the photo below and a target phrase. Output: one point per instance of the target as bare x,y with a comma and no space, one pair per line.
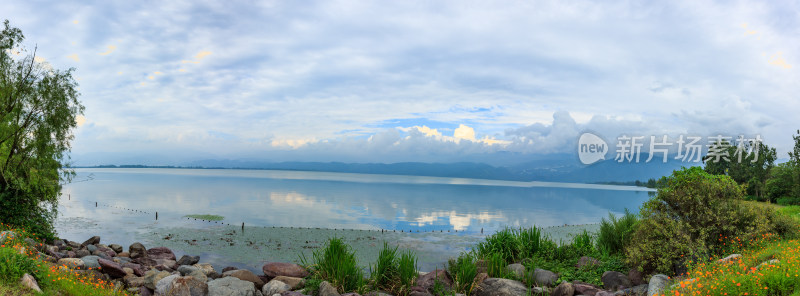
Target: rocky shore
157,271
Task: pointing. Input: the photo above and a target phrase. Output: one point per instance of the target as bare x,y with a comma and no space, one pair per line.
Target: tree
38,111
748,164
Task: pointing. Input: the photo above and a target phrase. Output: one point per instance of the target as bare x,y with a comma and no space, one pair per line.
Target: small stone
326,289
111,268
501,287
730,258
245,275
73,263
615,280
116,248
91,261
160,253
517,269
657,284
543,277
293,282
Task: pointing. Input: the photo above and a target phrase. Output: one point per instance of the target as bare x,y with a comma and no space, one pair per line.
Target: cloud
111,48
327,82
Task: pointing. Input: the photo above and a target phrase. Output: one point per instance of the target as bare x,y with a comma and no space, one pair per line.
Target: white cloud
319,77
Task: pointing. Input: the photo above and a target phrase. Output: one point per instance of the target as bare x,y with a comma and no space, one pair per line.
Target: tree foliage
748,164
691,217
38,110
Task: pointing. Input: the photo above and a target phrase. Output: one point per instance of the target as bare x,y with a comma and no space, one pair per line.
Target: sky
165,82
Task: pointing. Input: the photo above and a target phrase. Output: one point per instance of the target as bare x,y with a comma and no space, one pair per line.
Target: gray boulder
117,248
151,277
501,287
245,275
544,277
276,287
517,269
92,241
91,261
274,269
73,263
178,285
657,284
231,286
615,280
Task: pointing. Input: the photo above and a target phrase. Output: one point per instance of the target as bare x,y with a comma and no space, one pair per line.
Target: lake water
120,204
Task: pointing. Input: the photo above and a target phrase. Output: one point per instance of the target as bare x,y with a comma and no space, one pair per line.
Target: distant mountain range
553,167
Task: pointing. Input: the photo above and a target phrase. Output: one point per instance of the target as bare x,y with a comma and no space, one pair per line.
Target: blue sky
387,81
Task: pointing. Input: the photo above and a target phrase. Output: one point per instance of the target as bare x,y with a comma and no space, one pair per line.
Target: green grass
463,270
206,217
386,269
614,232
336,263
407,268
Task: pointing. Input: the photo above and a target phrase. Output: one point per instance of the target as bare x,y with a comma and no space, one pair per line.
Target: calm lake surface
127,200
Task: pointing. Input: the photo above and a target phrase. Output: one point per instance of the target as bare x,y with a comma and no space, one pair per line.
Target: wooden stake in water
156,215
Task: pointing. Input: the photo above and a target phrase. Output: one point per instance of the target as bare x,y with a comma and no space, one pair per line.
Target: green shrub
691,217
615,232
336,263
463,270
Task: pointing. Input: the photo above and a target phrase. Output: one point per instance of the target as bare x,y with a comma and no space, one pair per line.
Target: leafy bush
336,263
788,201
691,217
615,233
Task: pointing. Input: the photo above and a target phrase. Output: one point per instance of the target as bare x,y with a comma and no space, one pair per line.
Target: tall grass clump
336,263
13,265
394,271
503,242
615,232
530,241
407,268
463,270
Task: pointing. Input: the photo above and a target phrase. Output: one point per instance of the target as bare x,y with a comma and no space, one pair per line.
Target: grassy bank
18,257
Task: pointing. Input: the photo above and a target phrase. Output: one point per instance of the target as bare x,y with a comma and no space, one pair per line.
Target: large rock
636,277
429,279
73,263
657,284
615,280
134,281
111,268
275,287
563,289
161,253
29,282
274,269
585,289
517,269
188,260
183,286
231,286
326,289
245,275
501,287
293,282
91,261
91,241
186,269
164,285
151,277
82,253
543,277
137,250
